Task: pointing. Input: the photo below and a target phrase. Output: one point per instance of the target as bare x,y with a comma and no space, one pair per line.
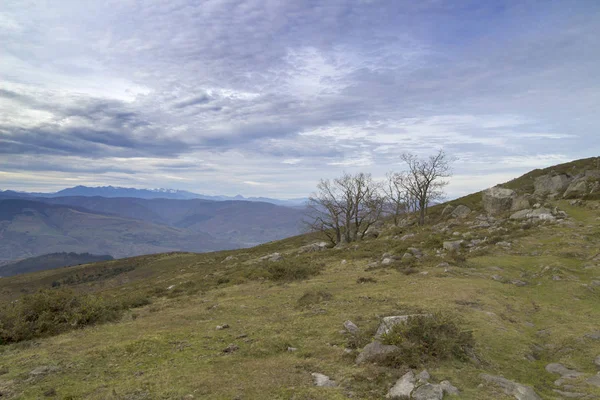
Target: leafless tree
397,199
424,180
345,208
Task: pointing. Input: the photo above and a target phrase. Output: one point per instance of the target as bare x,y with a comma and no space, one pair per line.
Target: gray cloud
208,95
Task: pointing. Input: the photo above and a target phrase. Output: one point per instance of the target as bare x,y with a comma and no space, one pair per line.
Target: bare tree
424,180
346,207
397,199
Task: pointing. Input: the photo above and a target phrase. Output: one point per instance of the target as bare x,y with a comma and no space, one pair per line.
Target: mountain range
161,193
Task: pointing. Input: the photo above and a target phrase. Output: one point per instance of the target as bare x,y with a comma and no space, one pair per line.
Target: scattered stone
424,376
343,262
564,372
229,258
407,257
372,232
452,245
221,327
497,200
448,388
403,387
292,349
351,327
387,261
312,248
596,361
594,380
272,257
374,351
231,348
541,214
593,335
569,395
415,252
428,391
389,322
497,278
171,287
443,265
44,370
504,244
519,391
518,282
321,380
461,211
408,236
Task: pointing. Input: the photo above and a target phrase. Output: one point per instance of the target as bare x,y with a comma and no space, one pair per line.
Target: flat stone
428,391
321,380
44,370
569,395
403,387
593,335
594,380
374,351
564,372
389,322
519,391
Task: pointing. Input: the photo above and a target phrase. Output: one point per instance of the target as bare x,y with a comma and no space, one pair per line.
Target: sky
266,97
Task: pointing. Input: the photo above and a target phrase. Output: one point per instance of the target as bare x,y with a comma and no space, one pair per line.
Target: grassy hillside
50,261
529,294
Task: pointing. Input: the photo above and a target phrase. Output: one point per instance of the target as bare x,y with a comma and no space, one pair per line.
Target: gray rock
569,395
547,184
221,327
407,236
447,211
44,370
389,322
403,387
428,391
372,232
351,327
564,372
321,380
272,257
576,189
497,200
423,376
313,247
593,335
292,349
415,252
542,214
387,261
594,380
520,203
523,214
229,258
374,351
448,388
452,245
407,257
461,211
519,391
597,361
231,348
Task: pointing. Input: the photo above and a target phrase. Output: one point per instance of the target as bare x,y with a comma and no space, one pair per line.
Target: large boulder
428,391
577,189
461,211
520,203
519,391
403,387
498,200
551,184
375,351
542,214
453,245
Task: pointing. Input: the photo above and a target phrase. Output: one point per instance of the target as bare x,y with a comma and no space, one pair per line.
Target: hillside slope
50,261
250,324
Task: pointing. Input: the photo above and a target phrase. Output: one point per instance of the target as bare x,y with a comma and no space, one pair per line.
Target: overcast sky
264,97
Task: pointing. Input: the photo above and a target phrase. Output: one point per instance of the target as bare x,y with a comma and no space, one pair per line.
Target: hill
50,261
500,300
31,228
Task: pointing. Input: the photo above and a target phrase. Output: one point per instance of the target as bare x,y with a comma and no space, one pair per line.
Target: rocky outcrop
546,185
542,214
418,387
498,200
313,247
460,211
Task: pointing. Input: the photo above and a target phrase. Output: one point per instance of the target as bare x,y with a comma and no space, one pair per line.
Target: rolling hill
50,261
499,301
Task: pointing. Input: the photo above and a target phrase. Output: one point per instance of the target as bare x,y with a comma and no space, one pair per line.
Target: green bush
311,297
50,312
292,270
428,338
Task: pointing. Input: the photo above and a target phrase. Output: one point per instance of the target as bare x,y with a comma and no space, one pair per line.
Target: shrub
363,279
50,312
311,297
426,338
292,270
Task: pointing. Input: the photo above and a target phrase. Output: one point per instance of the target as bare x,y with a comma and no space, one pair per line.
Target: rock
497,200
593,335
407,257
229,258
351,327
564,372
578,188
408,236
542,214
443,265
428,391
224,326
374,351
44,370
423,376
447,211
292,349
272,257
387,261
231,348
551,185
520,203
518,282
594,380
321,380
50,392
597,361
389,322
372,232
452,245
415,252
448,388
314,247
461,211
519,391
343,262
569,395
403,387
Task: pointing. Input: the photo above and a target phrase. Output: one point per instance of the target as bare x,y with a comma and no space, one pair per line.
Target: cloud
205,96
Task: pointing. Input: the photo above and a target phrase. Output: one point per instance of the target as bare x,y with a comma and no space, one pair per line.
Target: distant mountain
114,191
32,228
50,261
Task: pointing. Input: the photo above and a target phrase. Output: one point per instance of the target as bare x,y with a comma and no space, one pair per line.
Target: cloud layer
265,97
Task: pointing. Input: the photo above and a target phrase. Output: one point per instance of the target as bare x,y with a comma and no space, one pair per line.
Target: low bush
429,338
292,270
363,279
50,312
311,297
